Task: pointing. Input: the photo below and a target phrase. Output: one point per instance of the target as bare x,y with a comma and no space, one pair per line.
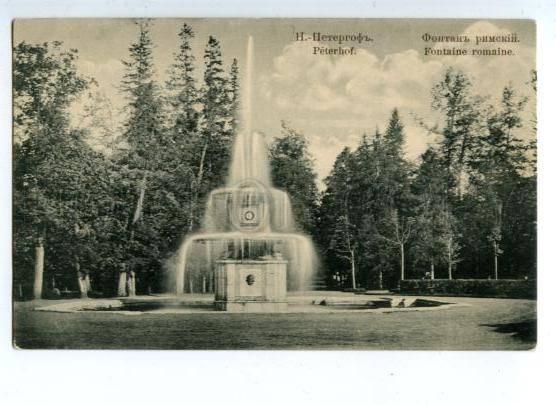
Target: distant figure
401,304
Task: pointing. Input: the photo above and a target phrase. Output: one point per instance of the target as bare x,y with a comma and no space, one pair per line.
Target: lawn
485,324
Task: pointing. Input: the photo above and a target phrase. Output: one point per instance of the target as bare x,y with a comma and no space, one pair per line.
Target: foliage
292,170
471,288
45,82
61,186
465,209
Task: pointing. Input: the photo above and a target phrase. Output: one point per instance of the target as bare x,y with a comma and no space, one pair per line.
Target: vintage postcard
274,184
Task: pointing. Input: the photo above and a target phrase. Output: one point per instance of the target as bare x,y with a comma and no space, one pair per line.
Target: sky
331,99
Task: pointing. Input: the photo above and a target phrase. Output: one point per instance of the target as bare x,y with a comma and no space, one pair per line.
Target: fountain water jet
248,222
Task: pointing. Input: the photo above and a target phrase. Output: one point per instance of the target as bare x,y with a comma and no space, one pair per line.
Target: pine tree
183,94
144,166
335,203
435,242
216,134
143,126
394,136
234,96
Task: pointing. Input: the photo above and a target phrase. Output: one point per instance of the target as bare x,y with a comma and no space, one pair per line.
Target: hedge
471,288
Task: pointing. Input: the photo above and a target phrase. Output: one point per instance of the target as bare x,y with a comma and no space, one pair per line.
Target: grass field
485,324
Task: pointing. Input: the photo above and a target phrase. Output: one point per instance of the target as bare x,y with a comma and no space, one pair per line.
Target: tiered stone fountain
248,243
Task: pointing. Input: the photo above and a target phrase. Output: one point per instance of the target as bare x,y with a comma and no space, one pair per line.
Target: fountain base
251,285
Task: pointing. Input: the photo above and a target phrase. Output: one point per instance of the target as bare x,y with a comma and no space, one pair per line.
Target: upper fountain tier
248,207
248,203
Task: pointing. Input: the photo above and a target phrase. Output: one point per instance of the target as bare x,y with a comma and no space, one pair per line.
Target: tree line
127,208
465,209
469,202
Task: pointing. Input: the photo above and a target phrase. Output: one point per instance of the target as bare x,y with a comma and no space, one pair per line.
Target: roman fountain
248,242
249,245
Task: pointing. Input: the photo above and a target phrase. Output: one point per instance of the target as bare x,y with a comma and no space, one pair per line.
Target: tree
382,201
500,160
448,229
184,128
143,125
371,186
182,91
334,203
452,96
344,243
435,241
292,170
144,165
216,132
58,197
397,231
234,95
45,82
533,143
98,123
394,136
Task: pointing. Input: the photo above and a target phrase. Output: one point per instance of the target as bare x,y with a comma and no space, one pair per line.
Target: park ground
473,324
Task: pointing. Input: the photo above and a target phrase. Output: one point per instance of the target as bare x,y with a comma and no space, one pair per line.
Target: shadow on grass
525,331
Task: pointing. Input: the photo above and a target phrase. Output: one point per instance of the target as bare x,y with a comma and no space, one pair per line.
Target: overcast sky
331,99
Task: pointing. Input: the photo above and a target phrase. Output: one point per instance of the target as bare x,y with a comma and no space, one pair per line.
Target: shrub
471,288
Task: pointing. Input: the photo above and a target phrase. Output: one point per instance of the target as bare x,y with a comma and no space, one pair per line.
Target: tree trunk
197,186
432,270
131,284
380,279
190,285
495,260
80,279
402,261
353,283
88,287
204,285
122,280
449,260
39,270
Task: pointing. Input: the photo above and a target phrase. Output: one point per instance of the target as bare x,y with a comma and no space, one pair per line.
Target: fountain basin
298,302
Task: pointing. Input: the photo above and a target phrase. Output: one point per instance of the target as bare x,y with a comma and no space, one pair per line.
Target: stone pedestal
251,285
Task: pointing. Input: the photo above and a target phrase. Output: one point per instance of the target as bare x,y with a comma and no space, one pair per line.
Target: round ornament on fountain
249,206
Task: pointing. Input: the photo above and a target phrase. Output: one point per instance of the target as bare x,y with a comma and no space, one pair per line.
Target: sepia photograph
274,183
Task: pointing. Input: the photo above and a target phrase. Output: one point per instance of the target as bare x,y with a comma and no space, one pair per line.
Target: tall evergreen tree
216,133
234,96
143,125
335,224
436,235
182,90
144,165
